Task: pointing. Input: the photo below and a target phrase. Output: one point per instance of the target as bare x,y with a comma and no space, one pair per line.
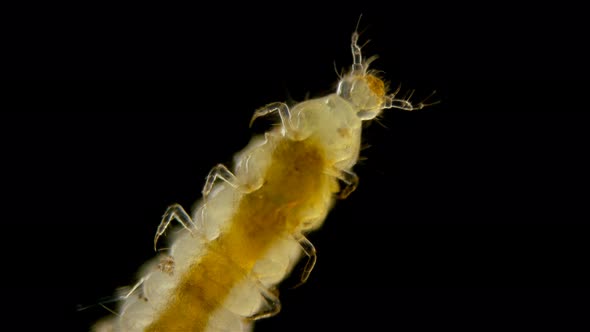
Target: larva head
365,92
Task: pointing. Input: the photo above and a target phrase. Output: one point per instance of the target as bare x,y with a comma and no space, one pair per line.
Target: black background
470,215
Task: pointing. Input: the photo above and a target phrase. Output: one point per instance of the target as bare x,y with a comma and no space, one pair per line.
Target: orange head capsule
365,92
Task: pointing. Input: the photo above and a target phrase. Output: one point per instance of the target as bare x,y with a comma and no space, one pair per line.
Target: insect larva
248,231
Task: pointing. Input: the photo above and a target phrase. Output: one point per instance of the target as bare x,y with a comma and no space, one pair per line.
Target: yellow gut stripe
295,187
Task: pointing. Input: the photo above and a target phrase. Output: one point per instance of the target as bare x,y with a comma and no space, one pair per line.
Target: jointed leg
351,180
310,252
174,211
219,172
273,302
283,110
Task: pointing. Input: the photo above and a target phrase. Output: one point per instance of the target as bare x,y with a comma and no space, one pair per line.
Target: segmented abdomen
221,272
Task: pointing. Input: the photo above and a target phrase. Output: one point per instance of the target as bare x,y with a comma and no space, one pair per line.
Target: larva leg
351,180
219,172
310,252
283,110
273,302
174,211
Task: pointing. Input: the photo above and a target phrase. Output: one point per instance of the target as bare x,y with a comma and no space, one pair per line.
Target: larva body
247,233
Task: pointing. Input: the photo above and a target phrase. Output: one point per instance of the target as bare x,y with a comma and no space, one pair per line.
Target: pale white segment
186,250
105,325
158,287
223,320
278,261
244,299
136,314
214,214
